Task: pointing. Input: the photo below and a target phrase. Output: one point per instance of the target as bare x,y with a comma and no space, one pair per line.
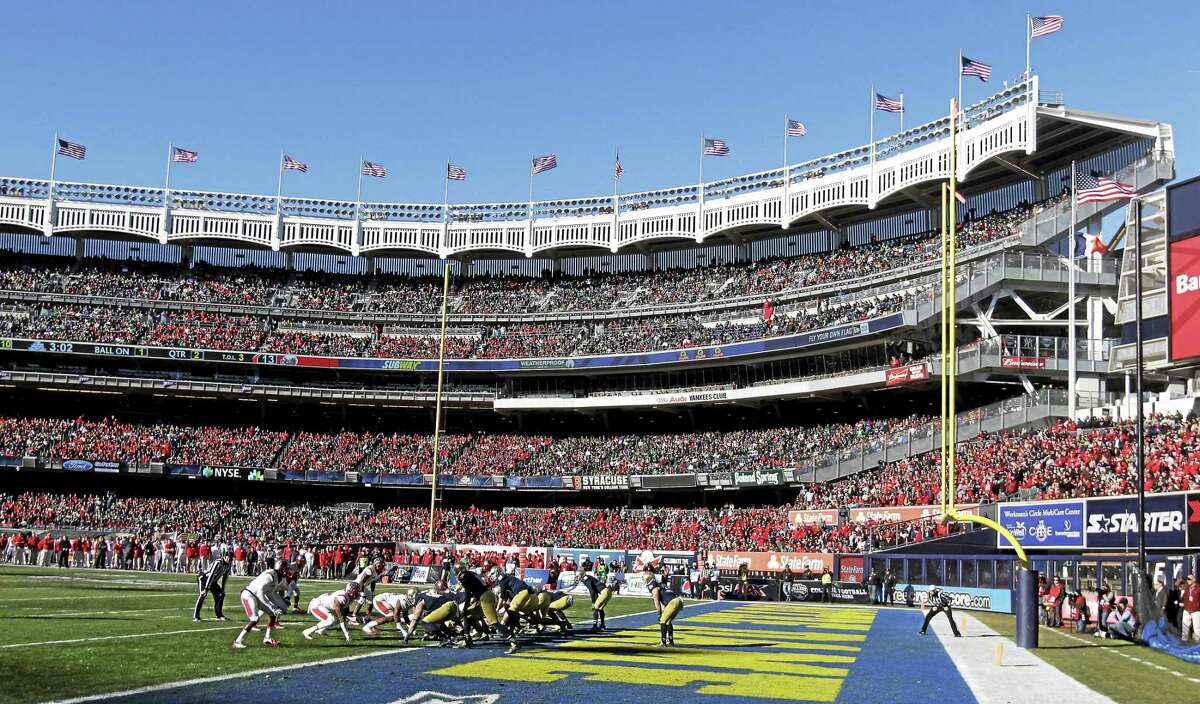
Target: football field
82,635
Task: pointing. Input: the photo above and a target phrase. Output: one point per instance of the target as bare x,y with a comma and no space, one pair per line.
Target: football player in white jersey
367,578
391,607
258,598
330,608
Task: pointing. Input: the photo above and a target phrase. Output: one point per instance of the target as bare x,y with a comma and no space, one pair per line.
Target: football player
519,599
330,608
552,605
600,596
435,611
390,607
667,603
261,597
367,578
480,605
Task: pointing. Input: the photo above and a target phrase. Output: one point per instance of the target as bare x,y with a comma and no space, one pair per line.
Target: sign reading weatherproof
1052,524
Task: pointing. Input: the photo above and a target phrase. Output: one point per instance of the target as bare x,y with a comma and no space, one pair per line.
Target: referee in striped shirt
938,600
212,581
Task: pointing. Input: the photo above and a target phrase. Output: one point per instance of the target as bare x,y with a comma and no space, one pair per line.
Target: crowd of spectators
198,329
590,292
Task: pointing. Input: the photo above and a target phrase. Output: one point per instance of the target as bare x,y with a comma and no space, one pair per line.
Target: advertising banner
758,478
536,578
539,482
851,568
420,574
596,555
101,466
733,589
1011,361
604,482
976,598
896,514
1112,523
671,561
771,561
696,354
1193,520
906,375
1183,298
1043,524
811,517
667,481
840,592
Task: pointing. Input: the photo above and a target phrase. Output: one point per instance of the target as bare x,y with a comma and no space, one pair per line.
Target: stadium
914,418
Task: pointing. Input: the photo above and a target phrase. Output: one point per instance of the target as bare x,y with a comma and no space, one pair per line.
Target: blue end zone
729,652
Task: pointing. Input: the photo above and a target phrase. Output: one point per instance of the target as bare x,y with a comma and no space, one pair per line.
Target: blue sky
488,84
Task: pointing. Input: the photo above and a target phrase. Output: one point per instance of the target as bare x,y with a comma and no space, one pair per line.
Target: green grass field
1122,671
69,633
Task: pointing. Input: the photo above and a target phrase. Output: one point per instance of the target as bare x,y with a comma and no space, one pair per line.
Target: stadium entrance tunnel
726,653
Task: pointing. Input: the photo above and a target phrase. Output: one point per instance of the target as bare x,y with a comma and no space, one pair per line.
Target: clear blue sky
488,84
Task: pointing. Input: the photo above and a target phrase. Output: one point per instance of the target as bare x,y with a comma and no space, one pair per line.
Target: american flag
1100,189
795,128
185,155
715,147
290,163
456,173
971,67
544,163
1045,25
617,170
372,169
886,104
75,151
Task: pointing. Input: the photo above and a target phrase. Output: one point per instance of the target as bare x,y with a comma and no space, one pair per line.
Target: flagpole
1071,362
167,189
901,111
616,200
358,197
871,183
960,102
785,211
53,164
446,194
279,186
700,193
530,209
1028,42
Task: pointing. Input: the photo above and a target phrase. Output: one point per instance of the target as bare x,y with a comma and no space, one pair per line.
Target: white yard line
1023,678
75,598
1099,643
55,614
127,636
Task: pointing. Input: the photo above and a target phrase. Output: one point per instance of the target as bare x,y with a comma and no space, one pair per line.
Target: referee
939,601
213,580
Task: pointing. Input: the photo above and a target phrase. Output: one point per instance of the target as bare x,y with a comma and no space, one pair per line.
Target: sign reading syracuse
1183,294
1051,524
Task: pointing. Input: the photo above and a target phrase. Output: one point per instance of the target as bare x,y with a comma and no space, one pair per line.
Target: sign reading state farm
896,514
771,561
1183,293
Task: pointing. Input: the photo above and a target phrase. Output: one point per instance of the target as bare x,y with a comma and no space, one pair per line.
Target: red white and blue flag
1087,245
886,104
715,147
795,128
544,163
186,156
617,170
1101,189
75,151
370,168
455,173
293,165
971,67
1045,25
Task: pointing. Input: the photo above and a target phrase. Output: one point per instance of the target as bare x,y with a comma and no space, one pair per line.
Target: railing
1011,413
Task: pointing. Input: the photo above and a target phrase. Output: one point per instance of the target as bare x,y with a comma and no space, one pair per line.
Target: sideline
1108,648
1024,678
